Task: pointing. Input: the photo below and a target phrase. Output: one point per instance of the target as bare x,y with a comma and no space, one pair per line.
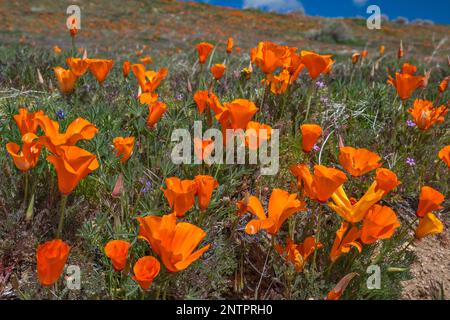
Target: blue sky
436,10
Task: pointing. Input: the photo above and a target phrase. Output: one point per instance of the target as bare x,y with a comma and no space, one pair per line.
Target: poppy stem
319,214
61,216
26,178
310,93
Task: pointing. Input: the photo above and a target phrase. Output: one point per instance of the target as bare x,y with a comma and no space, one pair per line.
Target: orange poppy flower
230,44
26,122
380,222
237,114
203,148
278,83
281,206
444,155
269,56
298,254
338,290
358,162
156,110
145,271
57,49
204,49
429,200
203,99
428,226
205,188
310,135
295,65
148,98
66,79
24,159
72,165
406,82
73,28
180,194
146,60
355,57
100,68
51,257
355,211
444,85
123,147
381,50
117,251
148,80
316,63
217,71
322,184
173,242
345,240
77,66
425,115
126,68
256,134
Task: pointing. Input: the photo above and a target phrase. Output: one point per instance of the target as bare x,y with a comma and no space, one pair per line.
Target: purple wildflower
320,84
60,114
410,123
411,162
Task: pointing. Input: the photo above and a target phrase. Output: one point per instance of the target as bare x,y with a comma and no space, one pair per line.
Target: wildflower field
353,122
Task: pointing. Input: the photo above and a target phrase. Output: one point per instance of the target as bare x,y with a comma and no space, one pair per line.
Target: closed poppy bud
444,155
358,162
204,49
380,222
316,63
66,79
145,271
180,195
217,71
400,52
443,85
57,50
51,257
230,44
100,68
156,110
205,188
364,54
381,50
429,200
126,68
425,115
310,135
386,180
355,57
77,66
429,225
146,60
73,28
339,289
123,147
117,251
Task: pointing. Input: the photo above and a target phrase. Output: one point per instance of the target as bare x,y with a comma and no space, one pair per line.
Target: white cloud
274,5
360,2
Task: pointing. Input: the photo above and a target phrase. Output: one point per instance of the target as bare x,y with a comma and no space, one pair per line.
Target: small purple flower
320,84
179,96
147,187
410,123
411,162
236,73
316,148
324,99
60,114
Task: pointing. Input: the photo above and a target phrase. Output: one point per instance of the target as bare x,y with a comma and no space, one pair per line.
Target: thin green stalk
317,236
26,178
62,212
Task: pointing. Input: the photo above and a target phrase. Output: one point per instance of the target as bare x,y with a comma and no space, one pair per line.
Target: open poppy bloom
256,134
230,44
269,56
71,165
117,251
78,66
428,226
444,155
173,242
358,162
278,83
203,99
380,222
123,147
217,71
406,82
24,159
203,148
338,290
66,79
126,68
156,110
295,65
204,49
298,254
282,205
205,188
344,241
26,121
236,114
148,80
145,271
100,68
443,85
180,194
322,184
425,115
310,135
51,257
316,63
355,57
355,211
429,200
